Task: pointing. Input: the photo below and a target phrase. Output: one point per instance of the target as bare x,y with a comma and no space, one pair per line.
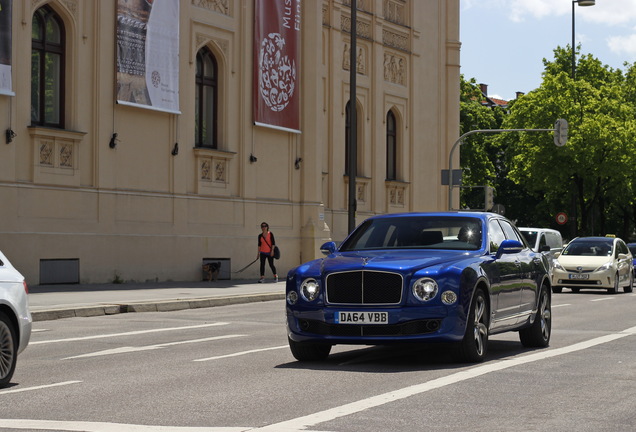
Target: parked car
15,318
456,277
632,250
545,240
594,262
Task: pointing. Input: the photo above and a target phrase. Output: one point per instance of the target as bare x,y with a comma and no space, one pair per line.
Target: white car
15,318
594,262
545,240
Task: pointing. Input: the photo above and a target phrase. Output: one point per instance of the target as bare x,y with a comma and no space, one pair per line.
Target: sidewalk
50,302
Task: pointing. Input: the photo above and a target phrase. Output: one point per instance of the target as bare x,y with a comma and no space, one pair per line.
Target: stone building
93,190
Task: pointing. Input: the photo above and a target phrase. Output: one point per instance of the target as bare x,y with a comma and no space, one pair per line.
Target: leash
238,271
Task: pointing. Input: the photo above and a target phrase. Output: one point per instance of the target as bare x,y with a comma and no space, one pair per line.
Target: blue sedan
455,277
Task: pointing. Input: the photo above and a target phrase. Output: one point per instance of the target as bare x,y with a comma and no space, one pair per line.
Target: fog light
449,297
292,297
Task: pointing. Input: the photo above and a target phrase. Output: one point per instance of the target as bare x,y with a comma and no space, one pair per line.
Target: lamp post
580,3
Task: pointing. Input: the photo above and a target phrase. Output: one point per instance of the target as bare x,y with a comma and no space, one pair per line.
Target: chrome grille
364,287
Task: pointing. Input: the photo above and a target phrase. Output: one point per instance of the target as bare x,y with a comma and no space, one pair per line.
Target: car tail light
26,287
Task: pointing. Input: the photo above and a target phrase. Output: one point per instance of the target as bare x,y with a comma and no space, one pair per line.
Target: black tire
615,289
8,350
309,351
538,334
630,287
557,289
474,347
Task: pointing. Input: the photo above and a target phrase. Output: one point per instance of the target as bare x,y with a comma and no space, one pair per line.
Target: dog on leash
211,269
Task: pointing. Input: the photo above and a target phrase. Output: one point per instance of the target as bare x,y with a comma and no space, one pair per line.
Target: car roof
595,239
478,215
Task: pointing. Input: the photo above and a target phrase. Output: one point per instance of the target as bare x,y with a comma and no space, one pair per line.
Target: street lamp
580,3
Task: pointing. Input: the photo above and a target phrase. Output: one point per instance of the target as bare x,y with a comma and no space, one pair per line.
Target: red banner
276,64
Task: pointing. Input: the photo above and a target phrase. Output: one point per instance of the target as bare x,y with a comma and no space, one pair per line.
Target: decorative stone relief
220,6
46,153
361,192
66,155
394,11
394,69
219,170
396,194
361,59
363,5
206,171
395,40
363,29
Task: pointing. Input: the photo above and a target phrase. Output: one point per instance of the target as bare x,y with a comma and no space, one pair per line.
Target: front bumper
601,279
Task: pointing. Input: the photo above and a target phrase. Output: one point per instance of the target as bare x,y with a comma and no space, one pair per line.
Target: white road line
75,339
128,349
241,353
560,305
603,299
107,427
23,389
302,423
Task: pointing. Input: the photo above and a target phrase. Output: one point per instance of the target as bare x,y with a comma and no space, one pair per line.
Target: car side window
511,233
542,241
495,235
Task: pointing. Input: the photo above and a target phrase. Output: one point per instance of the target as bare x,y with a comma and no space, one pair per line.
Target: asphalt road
228,369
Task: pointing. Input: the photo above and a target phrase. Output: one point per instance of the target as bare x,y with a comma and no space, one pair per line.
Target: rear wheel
309,351
629,287
474,347
8,350
538,334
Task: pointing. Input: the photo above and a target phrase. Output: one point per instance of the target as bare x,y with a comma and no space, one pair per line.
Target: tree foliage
592,178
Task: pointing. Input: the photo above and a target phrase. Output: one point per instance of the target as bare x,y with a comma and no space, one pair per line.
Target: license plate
579,276
350,317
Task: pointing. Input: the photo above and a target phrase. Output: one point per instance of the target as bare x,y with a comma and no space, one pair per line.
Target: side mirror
508,247
622,256
328,248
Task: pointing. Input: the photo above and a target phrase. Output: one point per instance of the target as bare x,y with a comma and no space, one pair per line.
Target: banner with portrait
276,95
148,54
5,48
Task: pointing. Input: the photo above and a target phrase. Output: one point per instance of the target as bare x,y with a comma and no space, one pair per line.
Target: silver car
15,318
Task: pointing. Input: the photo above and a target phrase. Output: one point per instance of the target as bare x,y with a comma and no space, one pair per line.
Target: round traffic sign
561,218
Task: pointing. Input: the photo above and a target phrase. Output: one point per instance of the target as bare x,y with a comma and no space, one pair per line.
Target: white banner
148,54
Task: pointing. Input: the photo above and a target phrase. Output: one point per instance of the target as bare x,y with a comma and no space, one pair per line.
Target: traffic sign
561,218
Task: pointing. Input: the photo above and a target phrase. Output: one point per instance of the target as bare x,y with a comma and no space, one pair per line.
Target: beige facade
138,212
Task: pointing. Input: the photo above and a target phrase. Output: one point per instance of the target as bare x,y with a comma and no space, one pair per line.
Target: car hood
400,261
586,262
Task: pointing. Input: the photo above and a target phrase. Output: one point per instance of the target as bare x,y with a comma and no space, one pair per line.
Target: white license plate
579,276
350,317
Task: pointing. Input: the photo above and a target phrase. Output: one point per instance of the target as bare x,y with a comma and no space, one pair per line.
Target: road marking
241,353
128,349
560,305
23,389
303,423
75,339
603,299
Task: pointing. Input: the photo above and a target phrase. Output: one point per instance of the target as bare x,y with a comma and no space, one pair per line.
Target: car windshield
416,232
589,248
530,236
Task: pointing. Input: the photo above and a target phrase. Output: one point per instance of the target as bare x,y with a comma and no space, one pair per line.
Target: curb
155,306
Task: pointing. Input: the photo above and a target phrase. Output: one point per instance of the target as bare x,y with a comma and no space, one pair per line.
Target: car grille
410,328
571,270
364,287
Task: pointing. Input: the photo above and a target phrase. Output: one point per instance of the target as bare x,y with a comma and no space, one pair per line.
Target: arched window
47,69
206,100
391,147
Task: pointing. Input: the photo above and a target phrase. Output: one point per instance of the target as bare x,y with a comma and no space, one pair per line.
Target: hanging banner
148,54
5,48
276,96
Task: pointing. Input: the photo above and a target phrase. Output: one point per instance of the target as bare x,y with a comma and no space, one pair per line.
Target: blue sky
505,41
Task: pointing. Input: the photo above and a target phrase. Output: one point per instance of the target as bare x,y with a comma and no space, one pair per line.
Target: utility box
59,271
216,269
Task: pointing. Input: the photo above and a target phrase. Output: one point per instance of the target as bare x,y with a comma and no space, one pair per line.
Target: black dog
212,270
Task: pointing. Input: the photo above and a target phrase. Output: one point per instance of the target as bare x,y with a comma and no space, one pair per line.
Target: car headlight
557,265
425,289
309,289
604,267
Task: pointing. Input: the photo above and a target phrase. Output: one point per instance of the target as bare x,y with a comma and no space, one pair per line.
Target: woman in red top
266,243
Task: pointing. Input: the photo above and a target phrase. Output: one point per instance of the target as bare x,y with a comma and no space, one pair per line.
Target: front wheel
629,287
615,289
8,350
306,351
538,334
474,347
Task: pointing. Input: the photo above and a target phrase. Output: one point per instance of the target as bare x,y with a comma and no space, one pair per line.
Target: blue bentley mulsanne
455,277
